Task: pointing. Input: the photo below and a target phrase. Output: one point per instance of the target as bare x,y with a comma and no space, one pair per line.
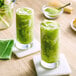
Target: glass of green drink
49,44
6,13
24,27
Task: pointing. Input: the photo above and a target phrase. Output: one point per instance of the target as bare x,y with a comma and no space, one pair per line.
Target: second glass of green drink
24,28
49,44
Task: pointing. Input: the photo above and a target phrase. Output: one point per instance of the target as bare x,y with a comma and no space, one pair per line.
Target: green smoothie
52,12
24,25
49,41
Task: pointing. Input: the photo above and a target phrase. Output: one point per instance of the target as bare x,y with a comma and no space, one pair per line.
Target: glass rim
46,24
32,11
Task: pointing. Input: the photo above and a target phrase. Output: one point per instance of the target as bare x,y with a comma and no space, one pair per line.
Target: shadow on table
31,63
14,57
31,72
71,31
42,17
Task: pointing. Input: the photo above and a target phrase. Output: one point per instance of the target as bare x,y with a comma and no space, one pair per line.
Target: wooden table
25,66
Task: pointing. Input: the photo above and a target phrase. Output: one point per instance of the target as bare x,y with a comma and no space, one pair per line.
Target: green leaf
6,49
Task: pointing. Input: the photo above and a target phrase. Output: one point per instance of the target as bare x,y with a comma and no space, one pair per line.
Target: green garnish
6,49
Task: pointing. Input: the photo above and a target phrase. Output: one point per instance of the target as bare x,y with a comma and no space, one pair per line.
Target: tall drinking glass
49,44
6,13
24,27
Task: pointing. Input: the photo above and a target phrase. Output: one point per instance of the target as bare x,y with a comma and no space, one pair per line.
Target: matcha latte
49,43
24,27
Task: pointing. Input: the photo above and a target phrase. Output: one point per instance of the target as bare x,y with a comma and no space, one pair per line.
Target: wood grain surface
25,66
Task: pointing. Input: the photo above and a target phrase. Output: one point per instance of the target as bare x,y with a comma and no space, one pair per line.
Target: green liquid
24,25
49,41
52,12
